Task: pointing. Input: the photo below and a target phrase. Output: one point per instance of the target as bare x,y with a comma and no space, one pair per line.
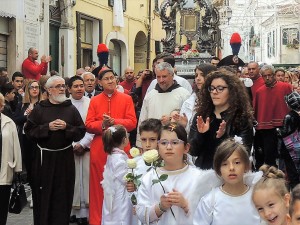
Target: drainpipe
149,35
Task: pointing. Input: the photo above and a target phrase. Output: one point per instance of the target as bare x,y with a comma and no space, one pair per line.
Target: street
24,218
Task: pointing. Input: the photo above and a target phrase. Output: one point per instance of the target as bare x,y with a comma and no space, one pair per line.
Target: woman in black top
224,111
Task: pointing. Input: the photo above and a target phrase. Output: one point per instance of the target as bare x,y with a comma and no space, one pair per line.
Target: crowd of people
227,139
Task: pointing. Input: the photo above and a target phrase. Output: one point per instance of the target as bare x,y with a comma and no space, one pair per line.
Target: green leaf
129,176
133,199
163,177
139,176
155,181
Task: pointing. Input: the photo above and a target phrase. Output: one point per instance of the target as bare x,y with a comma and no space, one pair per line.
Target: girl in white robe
230,203
174,201
117,208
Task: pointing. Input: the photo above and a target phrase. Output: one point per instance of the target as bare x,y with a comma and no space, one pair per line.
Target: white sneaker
29,198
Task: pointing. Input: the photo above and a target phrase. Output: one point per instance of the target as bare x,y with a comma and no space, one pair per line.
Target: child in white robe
117,208
271,196
174,200
149,130
231,202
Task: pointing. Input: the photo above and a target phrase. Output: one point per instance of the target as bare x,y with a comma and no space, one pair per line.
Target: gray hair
52,79
165,66
267,67
87,73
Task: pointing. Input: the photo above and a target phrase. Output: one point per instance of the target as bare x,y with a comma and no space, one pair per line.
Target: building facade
70,31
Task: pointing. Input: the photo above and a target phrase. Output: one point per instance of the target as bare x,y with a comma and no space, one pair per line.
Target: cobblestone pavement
24,218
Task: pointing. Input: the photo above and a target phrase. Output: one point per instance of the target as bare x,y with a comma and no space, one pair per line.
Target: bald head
129,74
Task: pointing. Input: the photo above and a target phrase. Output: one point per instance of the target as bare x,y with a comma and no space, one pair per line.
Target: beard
59,98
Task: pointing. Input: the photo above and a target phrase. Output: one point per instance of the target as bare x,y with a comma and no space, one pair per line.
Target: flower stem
164,191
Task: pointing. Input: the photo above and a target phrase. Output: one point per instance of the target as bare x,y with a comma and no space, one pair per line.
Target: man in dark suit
89,81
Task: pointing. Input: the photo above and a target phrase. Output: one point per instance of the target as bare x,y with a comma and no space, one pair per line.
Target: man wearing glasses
54,125
106,109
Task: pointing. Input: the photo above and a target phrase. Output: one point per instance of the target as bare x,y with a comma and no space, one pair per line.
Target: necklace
225,192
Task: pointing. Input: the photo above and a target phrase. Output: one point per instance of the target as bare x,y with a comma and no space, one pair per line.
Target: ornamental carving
202,24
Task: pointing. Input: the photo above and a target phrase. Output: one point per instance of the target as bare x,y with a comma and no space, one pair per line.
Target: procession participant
54,125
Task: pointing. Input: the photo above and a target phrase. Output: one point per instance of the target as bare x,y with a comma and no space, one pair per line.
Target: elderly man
167,95
81,149
106,109
269,111
89,82
129,79
54,125
31,68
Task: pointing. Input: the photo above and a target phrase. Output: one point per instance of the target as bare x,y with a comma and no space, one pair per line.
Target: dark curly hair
239,111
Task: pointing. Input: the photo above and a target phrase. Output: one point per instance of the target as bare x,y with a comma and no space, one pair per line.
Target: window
86,31
111,4
290,36
271,44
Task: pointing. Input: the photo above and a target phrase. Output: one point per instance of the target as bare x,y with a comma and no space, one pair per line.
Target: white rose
131,163
150,156
134,152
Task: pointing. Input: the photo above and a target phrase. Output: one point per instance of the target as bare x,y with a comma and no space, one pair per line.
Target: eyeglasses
109,78
128,72
219,89
173,142
59,86
34,87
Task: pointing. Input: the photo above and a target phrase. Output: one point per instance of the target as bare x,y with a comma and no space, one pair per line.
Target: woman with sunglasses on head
32,97
224,110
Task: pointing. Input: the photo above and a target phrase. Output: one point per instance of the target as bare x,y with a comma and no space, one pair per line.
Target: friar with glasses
224,111
54,125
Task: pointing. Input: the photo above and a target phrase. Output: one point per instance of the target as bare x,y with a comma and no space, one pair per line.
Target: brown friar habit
53,177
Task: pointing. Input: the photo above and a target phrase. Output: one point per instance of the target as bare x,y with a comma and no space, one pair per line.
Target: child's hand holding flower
176,198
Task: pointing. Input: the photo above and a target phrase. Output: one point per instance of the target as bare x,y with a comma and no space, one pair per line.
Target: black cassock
53,177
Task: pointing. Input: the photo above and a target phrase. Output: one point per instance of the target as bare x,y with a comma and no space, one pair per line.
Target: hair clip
238,139
112,129
172,127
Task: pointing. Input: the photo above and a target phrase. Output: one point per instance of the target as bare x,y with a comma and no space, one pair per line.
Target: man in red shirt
31,68
254,75
129,79
269,110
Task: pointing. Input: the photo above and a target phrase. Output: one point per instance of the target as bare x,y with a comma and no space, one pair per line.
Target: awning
12,8
6,14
